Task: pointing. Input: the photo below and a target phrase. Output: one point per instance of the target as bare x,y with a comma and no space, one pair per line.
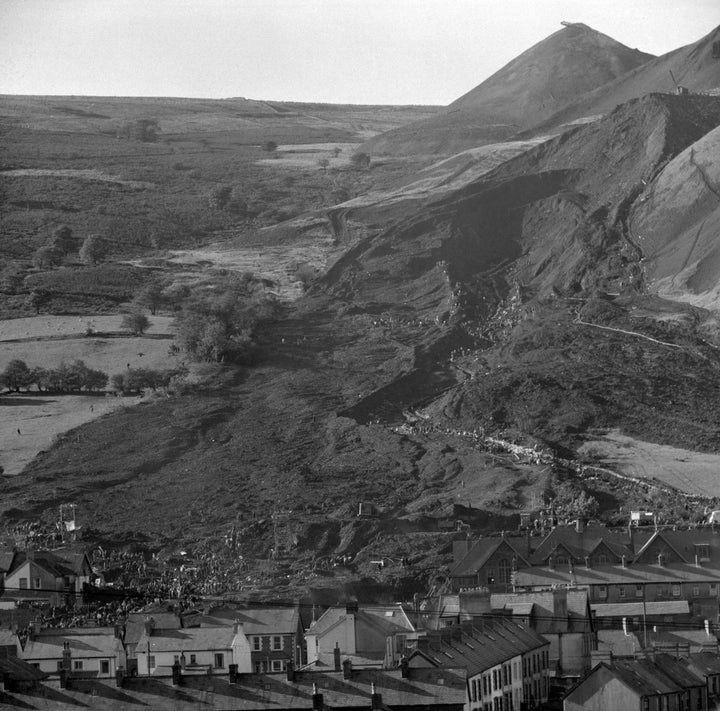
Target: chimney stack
149,625
351,607
624,561
66,656
233,673
290,671
176,674
318,702
707,628
347,669
336,657
404,668
375,698
580,525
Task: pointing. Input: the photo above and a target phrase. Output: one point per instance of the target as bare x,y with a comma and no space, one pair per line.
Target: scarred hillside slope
676,223
516,305
692,67
532,87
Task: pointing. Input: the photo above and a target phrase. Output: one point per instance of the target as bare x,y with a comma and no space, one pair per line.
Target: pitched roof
388,619
617,642
255,620
7,638
19,670
6,559
581,543
480,649
706,663
631,609
85,642
480,553
135,624
187,639
434,688
616,574
53,564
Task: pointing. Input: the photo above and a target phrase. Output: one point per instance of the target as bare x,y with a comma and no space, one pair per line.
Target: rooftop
436,688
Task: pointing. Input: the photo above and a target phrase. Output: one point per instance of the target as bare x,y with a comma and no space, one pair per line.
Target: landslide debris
516,306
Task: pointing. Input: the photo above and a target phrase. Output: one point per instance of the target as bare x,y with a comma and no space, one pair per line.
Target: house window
713,588
602,559
151,661
277,665
622,591
645,703
702,551
277,643
23,583
696,590
37,583
176,659
561,560
504,571
219,661
36,665
676,590
602,591
639,592
256,644
77,665
258,667
193,659
104,666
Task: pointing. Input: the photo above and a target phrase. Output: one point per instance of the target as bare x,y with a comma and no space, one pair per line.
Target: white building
199,650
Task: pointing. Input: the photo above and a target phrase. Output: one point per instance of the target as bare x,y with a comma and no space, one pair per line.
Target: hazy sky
354,51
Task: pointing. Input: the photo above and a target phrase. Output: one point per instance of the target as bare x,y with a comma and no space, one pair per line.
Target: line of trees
135,380
77,377
67,377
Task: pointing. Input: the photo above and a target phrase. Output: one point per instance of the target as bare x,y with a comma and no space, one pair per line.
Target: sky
337,51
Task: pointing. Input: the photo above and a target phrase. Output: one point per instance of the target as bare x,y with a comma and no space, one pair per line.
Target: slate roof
6,558
255,621
632,609
616,574
707,663
135,624
434,688
53,564
481,552
619,643
187,639
480,649
19,670
7,638
581,543
388,619
85,642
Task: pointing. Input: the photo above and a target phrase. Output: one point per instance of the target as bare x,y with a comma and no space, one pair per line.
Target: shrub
360,160
135,322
